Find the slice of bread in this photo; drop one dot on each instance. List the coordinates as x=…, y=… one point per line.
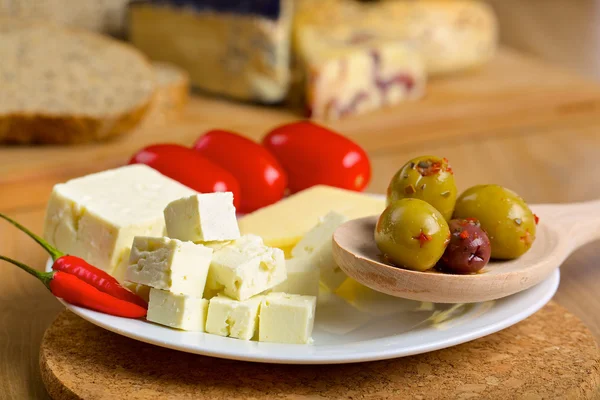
x=59, y=85
x=103, y=16
x=172, y=91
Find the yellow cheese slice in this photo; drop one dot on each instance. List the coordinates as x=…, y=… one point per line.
x=284, y=223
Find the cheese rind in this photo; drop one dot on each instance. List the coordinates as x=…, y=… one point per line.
x=302, y=277
x=169, y=264
x=202, y=218
x=316, y=246
x=96, y=217
x=178, y=311
x=286, y=318
x=241, y=56
x=233, y=318
x=246, y=268
x=284, y=223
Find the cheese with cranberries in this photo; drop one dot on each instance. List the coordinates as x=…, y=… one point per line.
x=346, y=73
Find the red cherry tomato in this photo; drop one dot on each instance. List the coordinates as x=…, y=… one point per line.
x=189, y=168
x=262, y=180
x=314, y=155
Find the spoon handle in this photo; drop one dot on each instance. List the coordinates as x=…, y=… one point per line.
x=580, y=222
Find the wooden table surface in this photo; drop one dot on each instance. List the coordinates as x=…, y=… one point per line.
x=550, y=159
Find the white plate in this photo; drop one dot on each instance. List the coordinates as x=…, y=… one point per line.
x=343, y=334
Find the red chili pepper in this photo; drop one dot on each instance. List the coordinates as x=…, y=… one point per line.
x=97, y=278
x=314, y=155
x=81, y=270
x=423, y=238
x=261, y=177
x=77, y=292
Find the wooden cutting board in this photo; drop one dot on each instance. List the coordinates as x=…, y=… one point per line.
x=514, y=95
x=550, y=355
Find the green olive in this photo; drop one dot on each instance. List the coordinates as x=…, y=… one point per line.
x=427, y=178
x=503, y=214
x=412, y=234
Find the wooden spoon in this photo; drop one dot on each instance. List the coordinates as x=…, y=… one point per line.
x=562, y=229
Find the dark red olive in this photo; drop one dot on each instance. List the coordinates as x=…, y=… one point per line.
x=469, y=249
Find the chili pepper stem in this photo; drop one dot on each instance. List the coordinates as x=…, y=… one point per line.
x=53, y=251
x=45, y=277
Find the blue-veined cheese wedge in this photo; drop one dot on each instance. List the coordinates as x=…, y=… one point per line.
x=231, y=48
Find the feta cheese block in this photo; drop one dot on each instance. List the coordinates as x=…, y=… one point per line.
x=284, y=223
x=287, y=318
x=241, y=50
x=233, y=318
x=347, y=75
x=449, y=36
x=302, y=277
x=202, y=218
x=97, y=216
x=316, y=247
x=246, y=268
x=169, y=264
x=178, y=311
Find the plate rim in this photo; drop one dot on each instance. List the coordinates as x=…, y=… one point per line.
x=276, y=352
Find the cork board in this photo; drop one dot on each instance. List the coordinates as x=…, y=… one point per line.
x=549, y=355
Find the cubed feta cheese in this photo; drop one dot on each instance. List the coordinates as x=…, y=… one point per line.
x=286, y=318
x=316, y=246
x=177, y=310
x=202, y=218
x=97, y=216
x=233, y=318
x=246, y=267
x=302, y=277
x=169, y=264
x=141, y=290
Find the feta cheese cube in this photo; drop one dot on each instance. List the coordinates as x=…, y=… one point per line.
x=169, y=264
x=202, y=218
x=245, y=268
x=141, y=290
x=316, y=246
x=286, y=318
x=97, y=216
x=233, y=318
x=302, y=277
x=178, y=311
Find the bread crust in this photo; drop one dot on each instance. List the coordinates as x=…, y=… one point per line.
x=53, y=129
